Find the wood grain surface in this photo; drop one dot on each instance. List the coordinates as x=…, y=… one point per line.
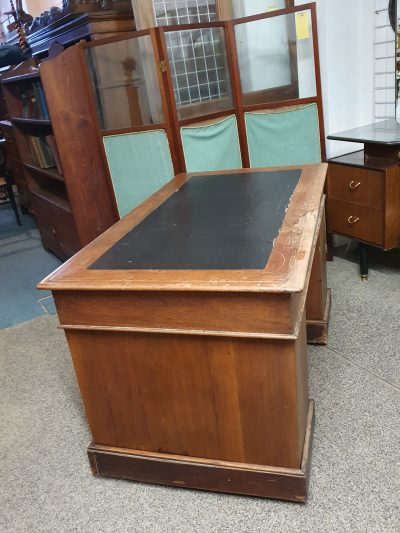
x=286, y=271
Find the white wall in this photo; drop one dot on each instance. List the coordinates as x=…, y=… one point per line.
x=36, y=7
x=345, y=31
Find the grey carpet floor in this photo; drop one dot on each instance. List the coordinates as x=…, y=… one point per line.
x=23, y=263
x=45, y=480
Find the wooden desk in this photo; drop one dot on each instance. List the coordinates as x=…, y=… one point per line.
x=187, y=328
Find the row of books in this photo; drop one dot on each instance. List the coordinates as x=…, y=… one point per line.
x=32, y=102
x=44, y=152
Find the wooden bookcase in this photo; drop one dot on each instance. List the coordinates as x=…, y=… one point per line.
x=12, y=156
x=61, y=204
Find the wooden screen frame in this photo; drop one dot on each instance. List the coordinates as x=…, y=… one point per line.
x=317, y=99
x=178, y=123
x=144, y=13
x=167, y=125
x=240, y=108
x=172, y=124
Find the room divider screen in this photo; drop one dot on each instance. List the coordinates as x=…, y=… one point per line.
x=207, y=97
x=133, y=117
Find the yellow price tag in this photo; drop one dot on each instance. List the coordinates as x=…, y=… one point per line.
x=302, y=29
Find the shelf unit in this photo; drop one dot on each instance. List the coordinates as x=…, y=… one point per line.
x=14, y=165
x=61, y=204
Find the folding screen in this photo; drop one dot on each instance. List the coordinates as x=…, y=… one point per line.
x=140, y=164
x=283, y=136
x=282, y=103
x=134, y=123
x=206, y=97
x=212, y=146
x=201, y=86
x=151, y=13
x=260, y=73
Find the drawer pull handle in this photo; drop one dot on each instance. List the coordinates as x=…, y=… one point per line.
x=352, y=220
x=353, y=186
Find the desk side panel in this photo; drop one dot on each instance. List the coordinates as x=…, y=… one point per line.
x=240, y=400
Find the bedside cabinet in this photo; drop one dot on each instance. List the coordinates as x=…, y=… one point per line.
x=364, y=202
x=364, y=188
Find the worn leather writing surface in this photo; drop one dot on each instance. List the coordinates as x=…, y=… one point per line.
x=213, y=222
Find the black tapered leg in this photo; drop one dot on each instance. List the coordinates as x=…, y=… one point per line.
x=363, y=248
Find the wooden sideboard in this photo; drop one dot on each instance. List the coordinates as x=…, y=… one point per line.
x=186, y=323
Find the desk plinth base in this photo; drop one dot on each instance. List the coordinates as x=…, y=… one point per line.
x=206, y=474
x=317, y=330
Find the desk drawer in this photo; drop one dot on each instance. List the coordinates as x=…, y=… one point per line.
x=356, y=221
x=356, y=185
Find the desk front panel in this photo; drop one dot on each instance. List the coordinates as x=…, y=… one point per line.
x=230, y=399
x=226, y=313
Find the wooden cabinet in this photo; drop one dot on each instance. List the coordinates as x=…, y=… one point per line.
x=364, y=199
x=13, y=162
x=39, y=157
x=14, y=165
x=70, y=200
x=364, y=188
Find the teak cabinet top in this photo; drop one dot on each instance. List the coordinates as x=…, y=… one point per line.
x=284, y=272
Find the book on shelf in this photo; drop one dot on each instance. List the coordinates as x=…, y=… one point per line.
x=32, y=102
x=51, y=142
x=41, y=153
x=41, y=100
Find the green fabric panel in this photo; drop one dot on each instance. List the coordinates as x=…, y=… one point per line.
x=281, y=138
x=212, y=147
x=140, y=164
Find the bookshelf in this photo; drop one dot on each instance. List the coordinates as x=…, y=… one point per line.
x=14, y=164
x=60, y=203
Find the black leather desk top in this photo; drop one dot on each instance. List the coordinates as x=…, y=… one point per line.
x=214, y=222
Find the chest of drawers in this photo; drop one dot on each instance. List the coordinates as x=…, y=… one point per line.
x=364, y=201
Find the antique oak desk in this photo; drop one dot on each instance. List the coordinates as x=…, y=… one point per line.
x=187, y=327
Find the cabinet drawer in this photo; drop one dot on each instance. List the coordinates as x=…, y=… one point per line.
x=57, y=228
x=65, y=231
x=356, y=221
x=356, y=185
